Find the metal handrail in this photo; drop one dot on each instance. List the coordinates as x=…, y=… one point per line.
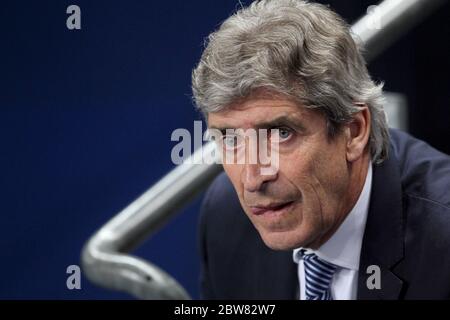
x=104, y=257
x=389, y=20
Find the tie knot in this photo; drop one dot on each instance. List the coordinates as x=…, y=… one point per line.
x=318, y=276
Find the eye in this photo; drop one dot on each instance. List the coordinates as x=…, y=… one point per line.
x=231, y=141
x=282, y=134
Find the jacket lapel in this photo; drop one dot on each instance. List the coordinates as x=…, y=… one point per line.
x=276, y=274
x=383, y=238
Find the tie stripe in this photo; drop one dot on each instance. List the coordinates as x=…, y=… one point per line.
x=318, y=277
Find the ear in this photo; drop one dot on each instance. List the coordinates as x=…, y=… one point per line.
x=358, y=132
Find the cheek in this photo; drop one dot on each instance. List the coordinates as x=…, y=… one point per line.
x=312, y=198
x=300, y=171
x=320, y=177
x=324, y=186
x=332, y=169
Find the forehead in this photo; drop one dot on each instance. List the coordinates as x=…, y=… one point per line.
x=260, y=109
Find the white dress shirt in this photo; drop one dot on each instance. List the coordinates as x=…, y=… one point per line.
x=343, y=249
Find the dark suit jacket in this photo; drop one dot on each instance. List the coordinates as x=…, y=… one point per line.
x=407, y=235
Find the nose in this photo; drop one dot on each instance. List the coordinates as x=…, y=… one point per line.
x=252, y=178
x=254, y=175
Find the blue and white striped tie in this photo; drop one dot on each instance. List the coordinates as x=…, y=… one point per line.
x=318, y=276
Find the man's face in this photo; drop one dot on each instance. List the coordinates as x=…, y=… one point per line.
x=302, y=203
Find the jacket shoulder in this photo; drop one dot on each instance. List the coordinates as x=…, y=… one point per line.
x=424, y=171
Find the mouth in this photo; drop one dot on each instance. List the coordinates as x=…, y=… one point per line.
x=271, y=209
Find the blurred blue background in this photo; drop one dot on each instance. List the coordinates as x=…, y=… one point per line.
x=87, y=115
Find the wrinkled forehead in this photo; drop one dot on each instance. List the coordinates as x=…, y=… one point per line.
x=262, y=110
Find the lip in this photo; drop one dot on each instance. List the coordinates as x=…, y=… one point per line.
x=271, y=209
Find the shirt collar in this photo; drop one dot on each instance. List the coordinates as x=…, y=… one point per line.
x=344, y=247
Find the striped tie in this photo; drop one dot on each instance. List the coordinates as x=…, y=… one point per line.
x=318, y=276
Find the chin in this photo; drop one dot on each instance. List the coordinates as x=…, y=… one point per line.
x=282, y=241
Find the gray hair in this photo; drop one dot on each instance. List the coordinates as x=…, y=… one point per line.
x=296, y=48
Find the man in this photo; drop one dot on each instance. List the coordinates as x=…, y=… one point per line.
x=353, y=211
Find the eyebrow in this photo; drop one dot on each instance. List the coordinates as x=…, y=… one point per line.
x=274, y=123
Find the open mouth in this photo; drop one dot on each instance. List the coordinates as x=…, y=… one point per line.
x=273, y=209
